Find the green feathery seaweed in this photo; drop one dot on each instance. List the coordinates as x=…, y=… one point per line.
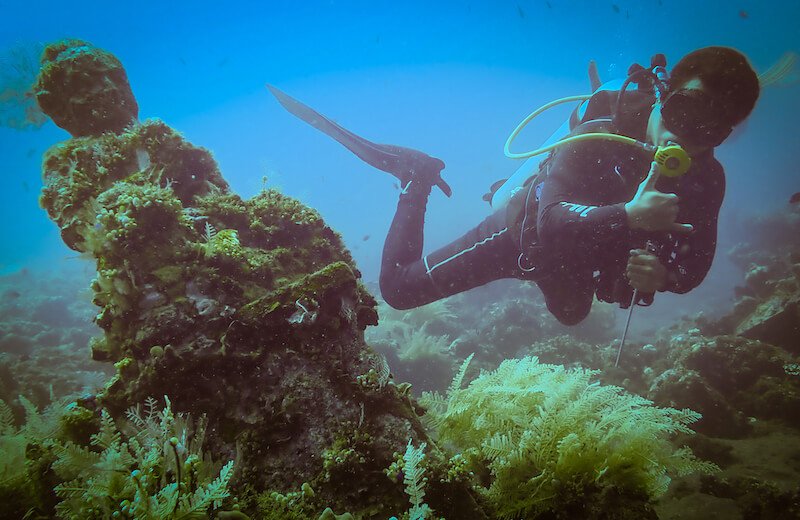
x=6, y=419
x=12, y=446
x=150, y=473
x=548, y=434
x=415, y=481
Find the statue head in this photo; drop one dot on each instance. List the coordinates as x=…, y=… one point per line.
x=84, y=89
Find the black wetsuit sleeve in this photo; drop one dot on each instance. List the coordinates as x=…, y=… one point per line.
x=588, y=182
x=693, y=254
x=581, y=207
x=566, y=219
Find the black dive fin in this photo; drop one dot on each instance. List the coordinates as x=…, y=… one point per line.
x=594, y=76
x=399, y=161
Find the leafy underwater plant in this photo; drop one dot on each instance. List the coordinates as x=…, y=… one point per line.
x=410, y=467
x=549, y=436
x=156, y=472
x=17, y=491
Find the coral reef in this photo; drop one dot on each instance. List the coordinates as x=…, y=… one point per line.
x=248, y=311
x=768, y=303
x=731, y=381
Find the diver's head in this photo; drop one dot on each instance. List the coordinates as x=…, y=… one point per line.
x=711, y=91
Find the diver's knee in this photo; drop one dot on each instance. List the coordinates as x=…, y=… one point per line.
x=394, y=295
x=571, y=319
x=570, y=314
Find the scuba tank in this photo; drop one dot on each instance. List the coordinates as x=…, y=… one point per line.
x=673, y=161
x=530, y=167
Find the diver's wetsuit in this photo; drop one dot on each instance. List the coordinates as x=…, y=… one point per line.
x=567, y=229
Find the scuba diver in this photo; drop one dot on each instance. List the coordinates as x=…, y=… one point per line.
x=624, y=206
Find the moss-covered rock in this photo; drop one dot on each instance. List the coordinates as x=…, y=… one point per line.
x=729, y=380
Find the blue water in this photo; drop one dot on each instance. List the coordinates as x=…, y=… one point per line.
x=449, y=78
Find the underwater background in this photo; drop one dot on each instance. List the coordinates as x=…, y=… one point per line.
x=453, y=79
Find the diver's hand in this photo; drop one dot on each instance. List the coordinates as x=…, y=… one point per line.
x=652, y=210
x=645, y=272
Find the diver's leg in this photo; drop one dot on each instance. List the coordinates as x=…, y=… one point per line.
x=407, y=280
x=402, y=285
x=568, y=293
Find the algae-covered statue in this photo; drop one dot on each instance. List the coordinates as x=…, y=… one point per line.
x=250, y=312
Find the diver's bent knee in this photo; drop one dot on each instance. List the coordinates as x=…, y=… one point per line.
x=571, y=316
x=394, y=296
x=571, y=319
x=398, y=304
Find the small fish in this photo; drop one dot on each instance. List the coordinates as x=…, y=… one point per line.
x=794, y=199
x=520, y=11
x=365, y=238
x=743, y=15
x=548, y=4
x=222, y=62
x=615, y=7
x=31, y=152
x=25, y=186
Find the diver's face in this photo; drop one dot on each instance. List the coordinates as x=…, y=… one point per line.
x=659, y=135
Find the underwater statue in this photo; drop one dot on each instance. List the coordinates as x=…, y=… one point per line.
x=248, y=312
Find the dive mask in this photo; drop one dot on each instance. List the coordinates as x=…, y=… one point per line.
x=691, y=115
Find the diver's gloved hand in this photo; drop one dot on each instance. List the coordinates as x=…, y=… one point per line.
x=645, y=272
x=652, y=210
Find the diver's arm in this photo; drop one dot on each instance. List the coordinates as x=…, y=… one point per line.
x=563, y=222
x=653, y=210
x=597, y=171
x=580, y=175
x=694, y=253
x=645, y=272
x=691, y=265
